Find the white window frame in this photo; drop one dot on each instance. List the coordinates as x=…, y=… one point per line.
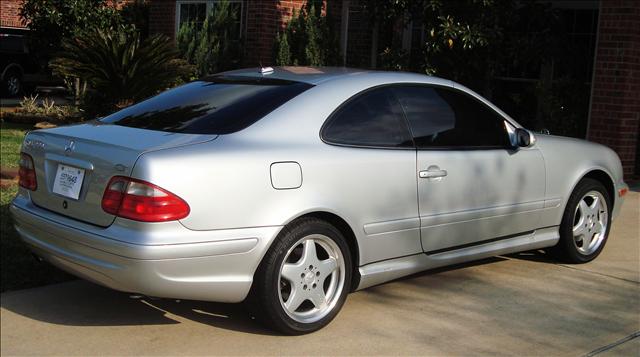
x=209, y=4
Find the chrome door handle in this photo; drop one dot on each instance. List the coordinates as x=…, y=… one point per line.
x=432, y=173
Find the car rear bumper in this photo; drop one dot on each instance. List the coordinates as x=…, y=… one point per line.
x=215, y=266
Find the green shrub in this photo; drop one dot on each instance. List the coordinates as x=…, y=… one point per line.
x=210, y=46
x=119, y=67
x=48, y=109
x=313, y=51
x=29, y=104
x=307, y=40
x=282, y=50
x=395, y=59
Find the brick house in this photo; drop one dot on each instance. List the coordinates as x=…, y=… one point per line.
x=614, y=33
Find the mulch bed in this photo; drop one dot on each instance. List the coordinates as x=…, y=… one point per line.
x=21, y=118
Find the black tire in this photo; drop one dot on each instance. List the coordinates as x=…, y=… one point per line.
x=566, y=250
x=12, y=84
x=264, y=300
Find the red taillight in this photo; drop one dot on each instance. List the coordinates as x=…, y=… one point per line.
x=142, y=201
x=27, y=172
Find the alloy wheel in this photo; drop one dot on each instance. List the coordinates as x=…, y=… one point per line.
x=311, y=278
x=590, y=222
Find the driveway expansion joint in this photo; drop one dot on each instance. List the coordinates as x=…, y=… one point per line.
x=614, y=344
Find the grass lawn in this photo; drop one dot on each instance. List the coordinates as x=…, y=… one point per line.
x=18, y=269
x=11, y=136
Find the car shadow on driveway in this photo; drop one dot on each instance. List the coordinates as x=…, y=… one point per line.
x=81, y=303
x=538, y=256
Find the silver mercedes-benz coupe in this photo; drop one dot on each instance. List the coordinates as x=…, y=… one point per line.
x=288, y=188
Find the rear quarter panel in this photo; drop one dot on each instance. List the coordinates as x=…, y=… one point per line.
x=227, y=182
x=227, y=185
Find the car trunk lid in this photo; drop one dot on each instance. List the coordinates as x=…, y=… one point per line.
x=101, y=152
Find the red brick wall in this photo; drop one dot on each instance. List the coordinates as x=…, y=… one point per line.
x=10, y=13
x=264, y=20
x=162, y=17
x=615, y=104
x=360, y=36
x=262, y=23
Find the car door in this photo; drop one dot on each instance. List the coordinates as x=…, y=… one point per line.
x=473, y=185
x=372, y=180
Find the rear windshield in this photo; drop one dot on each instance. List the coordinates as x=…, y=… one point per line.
x=213, y=105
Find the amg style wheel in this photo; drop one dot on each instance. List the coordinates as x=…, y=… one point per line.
x=303, y=281
x=585, y=224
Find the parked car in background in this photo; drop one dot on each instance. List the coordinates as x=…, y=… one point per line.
x=288, y=188
x=20, y=70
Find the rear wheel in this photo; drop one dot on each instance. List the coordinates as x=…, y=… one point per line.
x=585, y=225
x=303, y=280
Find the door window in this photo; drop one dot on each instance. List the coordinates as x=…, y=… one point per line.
x=442, y=118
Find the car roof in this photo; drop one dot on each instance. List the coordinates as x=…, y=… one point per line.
x=355, y=78
x=318, y=75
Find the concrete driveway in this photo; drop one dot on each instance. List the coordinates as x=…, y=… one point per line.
x=524, y=304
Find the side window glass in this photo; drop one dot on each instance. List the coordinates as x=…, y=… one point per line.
x=440, y=117
x=373, y=118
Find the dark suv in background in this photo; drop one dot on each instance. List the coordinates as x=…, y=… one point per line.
x=20, y=70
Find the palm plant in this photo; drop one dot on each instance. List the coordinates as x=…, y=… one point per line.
x=118, y=66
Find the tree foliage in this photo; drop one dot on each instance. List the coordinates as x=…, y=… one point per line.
x=307, y=40
x=476, y=41
x=471, y=40
x=51, y=21
x=118, y=65
x=455, y=31
x=211, y=46
x=136, y=13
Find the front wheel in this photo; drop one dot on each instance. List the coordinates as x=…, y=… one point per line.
x=585, y=225
x=304, y=278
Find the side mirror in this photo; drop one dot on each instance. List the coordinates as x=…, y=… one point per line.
x=524, y=138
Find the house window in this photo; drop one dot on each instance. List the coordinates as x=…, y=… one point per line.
x=192, y=11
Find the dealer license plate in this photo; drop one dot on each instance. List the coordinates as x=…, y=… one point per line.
x=68, y=181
